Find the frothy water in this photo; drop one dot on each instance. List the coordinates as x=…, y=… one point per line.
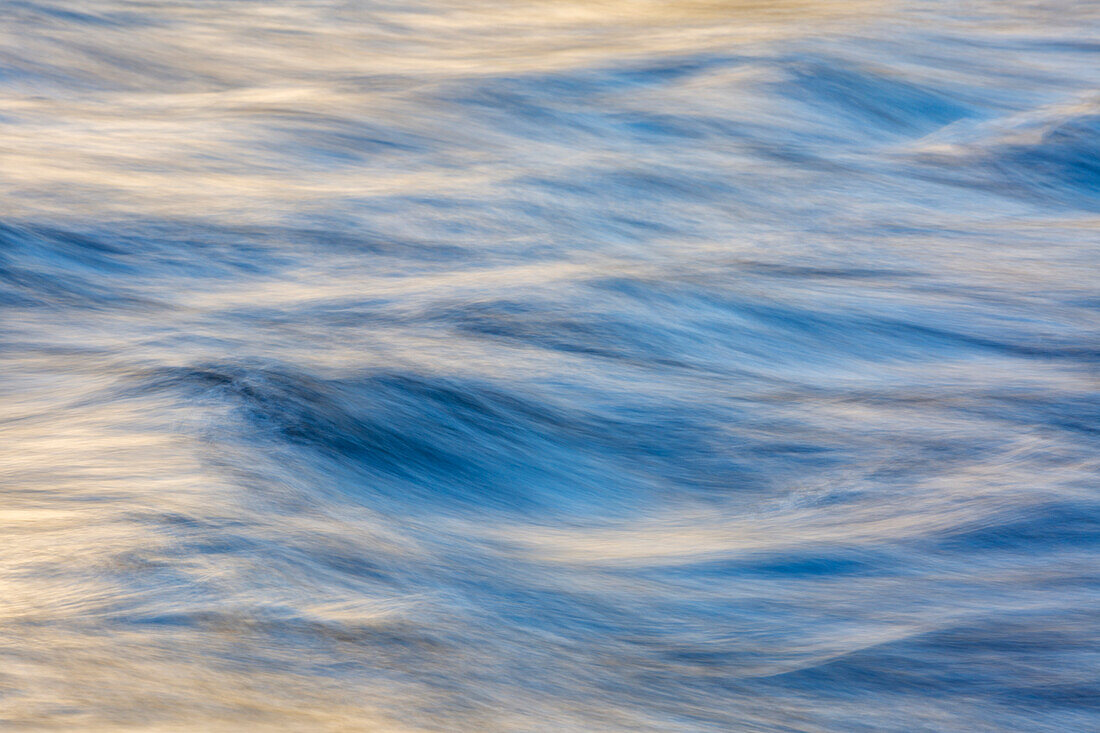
x=549, y=366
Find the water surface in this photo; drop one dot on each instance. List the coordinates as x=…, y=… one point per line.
x=549, y=366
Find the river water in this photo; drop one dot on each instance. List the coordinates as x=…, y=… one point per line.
x=549, y=366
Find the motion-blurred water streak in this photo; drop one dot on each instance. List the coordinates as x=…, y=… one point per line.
x=617, y=365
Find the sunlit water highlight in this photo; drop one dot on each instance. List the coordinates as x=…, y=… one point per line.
x=496, y=366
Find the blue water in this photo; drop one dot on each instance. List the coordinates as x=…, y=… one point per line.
x=550, y=366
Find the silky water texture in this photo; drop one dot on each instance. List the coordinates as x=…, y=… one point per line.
x=549, y=366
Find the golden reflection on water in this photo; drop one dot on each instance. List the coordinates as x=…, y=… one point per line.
x=181, y=106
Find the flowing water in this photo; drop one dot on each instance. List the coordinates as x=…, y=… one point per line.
x=617, y=365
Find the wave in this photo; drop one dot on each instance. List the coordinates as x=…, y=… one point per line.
x=1049, y=155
